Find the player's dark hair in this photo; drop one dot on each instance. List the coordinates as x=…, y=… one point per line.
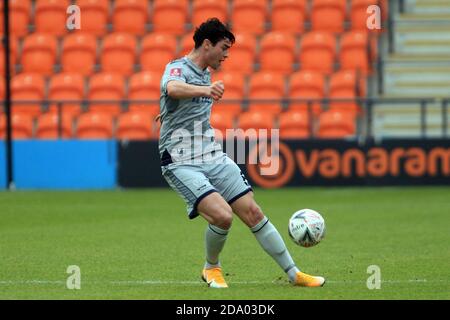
x=214, y=31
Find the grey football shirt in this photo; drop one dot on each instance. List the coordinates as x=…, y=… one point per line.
x=186, y=133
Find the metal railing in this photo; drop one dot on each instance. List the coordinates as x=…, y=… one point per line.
x=364, y=119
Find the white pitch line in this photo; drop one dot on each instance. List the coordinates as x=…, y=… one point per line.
x=181, y=282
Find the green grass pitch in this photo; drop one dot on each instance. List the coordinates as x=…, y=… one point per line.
x=140, y=245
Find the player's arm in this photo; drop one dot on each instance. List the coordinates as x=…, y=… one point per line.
x=181, y=90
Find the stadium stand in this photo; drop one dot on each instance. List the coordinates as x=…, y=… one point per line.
x=235, y=85
x=79, y=53
x=157, y=50
x=109, y=87
x=249, y=16
x=134, y=126
x=118, y=53
x=285, y=49
x=27, y=90
x=144, y=86
x=94, y=125
x=22, y=126
x=95, y=16
x=328, y=15
x=288, y=15
x=20, y=13
x=277, y=52
x=204, y=9
x=50, y=126
x=50, y=16
x=295, y=125
x=170, y=16
x=265, y=85
x=130, y=16
x=335, y=124
x=66, y=87
x=39, y=53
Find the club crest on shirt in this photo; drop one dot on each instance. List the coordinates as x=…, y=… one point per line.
x=175, y=72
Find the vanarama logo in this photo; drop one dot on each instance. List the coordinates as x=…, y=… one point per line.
x=376, y=162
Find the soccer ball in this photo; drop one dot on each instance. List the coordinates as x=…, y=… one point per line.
x=306, y=228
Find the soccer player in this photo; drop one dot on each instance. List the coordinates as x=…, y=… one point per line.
x=194, y=165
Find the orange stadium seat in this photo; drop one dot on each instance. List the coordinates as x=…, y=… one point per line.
x=335, y=124
x=359, y=15
x=118, y=53
x=2, y=91
x=66, y=86
x=106, y=87
x=242, y=55
x=355, y=52
x=50, y=126
x=318, y=51
x=234, y=90
x=249, y=16
x=94, y=125
x=221, y=121
x=50, y=16
x=95, y=16
x=346, y=85
x=21, y=126
x=288, y=15
x=294, y=125
x=277, y=52
x=266, y=85
x=134, y=126
x=158, y=49
x=255, y=120
x=39, y=53
x=79, y=51
x=27, y=87
x=328, y=15
x=205, y=9
x=186, y=44
x=130, y=16
x=170, y=16
x=19, y=17
x=306, y=85
x=12, y=56
x=144, y=86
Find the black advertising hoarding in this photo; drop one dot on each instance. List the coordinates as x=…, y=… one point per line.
x=332, y=162
x=315, y=162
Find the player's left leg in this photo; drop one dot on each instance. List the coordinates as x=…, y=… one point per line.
x=270, y=240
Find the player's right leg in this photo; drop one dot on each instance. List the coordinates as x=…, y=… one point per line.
x=201, y=198
x=219, y=215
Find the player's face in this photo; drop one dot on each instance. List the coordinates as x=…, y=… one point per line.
x=218, y=53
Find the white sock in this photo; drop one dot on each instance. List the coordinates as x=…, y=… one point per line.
x=215, y=238
x=270, y=239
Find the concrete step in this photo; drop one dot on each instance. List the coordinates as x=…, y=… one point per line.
x=419, y=37
x=416, y=80
x=428, y=6
x=404, y=120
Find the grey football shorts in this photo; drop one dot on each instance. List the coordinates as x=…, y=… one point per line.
x=194, y=181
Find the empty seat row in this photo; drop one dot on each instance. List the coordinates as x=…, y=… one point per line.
x=89, y=125
x=265, y=89
x=29, y=90
x=121, y=52
x=291, y=124
x=174, y=16
x=135, y=125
